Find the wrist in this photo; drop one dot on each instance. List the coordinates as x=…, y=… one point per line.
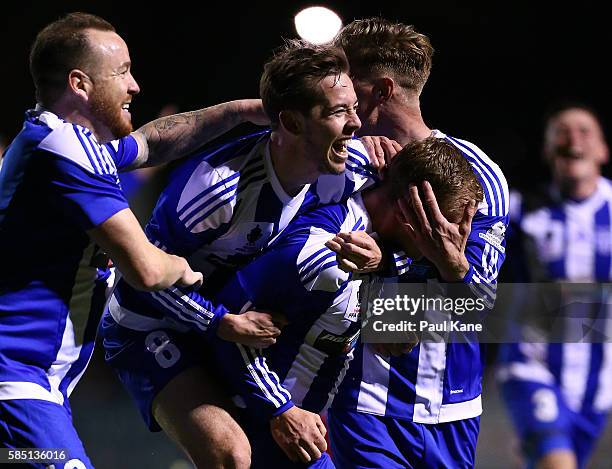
x=226, y=326
x=455, y=272
x=283, y=411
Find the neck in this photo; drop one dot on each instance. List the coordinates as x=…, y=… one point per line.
x=74, y=115
x=578, y=189
x=402, y=122
x=290, y=165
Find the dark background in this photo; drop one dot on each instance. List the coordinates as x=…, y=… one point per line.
x=497, y=67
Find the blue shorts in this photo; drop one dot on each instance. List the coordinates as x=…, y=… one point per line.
x=545, y=423
x=147, y=361
x=265, y=453
x=33, y=423
x=360, y=440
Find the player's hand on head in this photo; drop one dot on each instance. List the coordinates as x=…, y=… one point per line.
x=300, y=434
x=439, y=240
x=381, y=150
x=253, y=328
x=356, y=252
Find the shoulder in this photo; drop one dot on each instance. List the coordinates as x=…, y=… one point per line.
x=206, y=185
x=76, y=144
x=490, y=175
x=316, y=264
x=358, y=151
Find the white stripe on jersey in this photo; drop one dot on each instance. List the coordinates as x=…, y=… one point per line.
x=374, y=386
x=76, y=322
x=23, y=390
x=602, y=401
x=491, y=174
x=429, y=382
x=76, y=144
x=574, y=373
x=257, y=371
x=303, y=371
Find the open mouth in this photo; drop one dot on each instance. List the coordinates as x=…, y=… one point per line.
x=340, y=148
x=126, y=107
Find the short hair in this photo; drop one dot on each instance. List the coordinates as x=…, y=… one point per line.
x=557, y=107
x=376, y=45
x=60, y=47
x=441, y=164
x=291, y=76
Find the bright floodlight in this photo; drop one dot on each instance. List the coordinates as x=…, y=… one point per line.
x=317, y=24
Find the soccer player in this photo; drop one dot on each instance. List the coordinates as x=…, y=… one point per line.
x=220, y=209
x=559, y=394
x=299, y=276
x=62, y=210
x=420, y=409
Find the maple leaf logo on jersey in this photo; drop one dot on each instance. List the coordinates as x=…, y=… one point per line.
x=254, y=235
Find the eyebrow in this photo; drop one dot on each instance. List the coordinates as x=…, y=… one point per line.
x=124, y=65
x=343, y=106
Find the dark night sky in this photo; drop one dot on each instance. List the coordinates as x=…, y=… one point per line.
x=497, y=65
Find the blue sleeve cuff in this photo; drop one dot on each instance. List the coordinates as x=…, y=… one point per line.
x=288, y=405
x=219, y=311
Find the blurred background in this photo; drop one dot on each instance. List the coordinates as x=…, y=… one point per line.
x=497, y=67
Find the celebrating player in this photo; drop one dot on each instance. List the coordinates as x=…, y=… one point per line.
x=62, y=209
x=420, y=409
x=221, y=208
x=558, y=394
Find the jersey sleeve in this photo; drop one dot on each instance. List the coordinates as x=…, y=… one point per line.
x=295, y=278
x=123, y=151
x=195, y=208
x=192, y=211
x=486, y=251
x=176, y=305
x=86, y=197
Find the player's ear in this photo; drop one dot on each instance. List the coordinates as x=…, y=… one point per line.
x=79, y=83
x=291, y=121
x=604, y=153
x=383, y=89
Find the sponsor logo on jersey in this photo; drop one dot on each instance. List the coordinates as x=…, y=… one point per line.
x=495, y=236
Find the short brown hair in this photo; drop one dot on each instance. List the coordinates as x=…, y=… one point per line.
x=290, y=77
x=376, y=45
x=440, y=163
x=60, y=47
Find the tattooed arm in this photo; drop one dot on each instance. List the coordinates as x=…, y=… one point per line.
x=172, y=137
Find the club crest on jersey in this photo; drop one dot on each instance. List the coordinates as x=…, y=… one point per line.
x=495, y=236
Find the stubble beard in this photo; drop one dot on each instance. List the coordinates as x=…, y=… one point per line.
x=109, y=114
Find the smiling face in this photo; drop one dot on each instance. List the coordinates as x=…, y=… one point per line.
x=575, y=146
x=330, y=125
x=113, y=86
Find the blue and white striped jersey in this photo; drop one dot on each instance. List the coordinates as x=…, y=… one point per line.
x=220, y=210
x=321, y=303
x=438, y=382
x=572, y=240
x=56, y=182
